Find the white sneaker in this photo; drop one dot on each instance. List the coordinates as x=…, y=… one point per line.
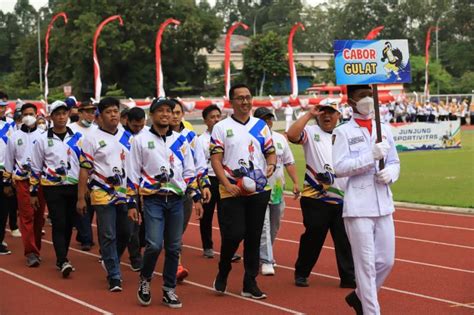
x=16, y=233
x=5, y=244
x=267, y=270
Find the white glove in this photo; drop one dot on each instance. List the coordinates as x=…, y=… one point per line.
x=380, y=150
x=383, y=177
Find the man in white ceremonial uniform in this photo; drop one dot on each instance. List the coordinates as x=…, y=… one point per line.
x=368, y=203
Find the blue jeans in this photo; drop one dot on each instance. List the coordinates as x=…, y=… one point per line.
x=84, y=226
x=114, y=232
x=163, y=217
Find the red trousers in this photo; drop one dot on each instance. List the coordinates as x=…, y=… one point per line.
x=31, y=220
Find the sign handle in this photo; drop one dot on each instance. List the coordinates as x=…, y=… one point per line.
x=378, y=127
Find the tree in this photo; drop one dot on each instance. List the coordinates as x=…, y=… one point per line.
x=437, y=75
x=126, y=53
x=265, y=60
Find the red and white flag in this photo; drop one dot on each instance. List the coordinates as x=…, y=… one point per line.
x=291, y=61
x=427, y=61
x=46, y=51
x=227, y=55
x=160, y=91
x=374, y=32
x=97, y=79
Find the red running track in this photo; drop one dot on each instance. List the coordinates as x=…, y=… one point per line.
x=433, y=273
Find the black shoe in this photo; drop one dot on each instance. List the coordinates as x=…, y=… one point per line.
x=66, y=269
x=348, y=285
x=236, y=258
x=32, y=260
x=136, y=265
x=86, y=247
x=4, y=250
x=301, y=281
x=171, y=299
x=220, y=284
x=115, y=285
x=353, y=301
x=253, y=292
x=144, y=292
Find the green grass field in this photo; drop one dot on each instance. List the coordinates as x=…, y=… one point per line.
x=444, y=177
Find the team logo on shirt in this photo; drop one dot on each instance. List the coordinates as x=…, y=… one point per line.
x=279, y=146
x=317, y=138
x=102, y=143
x=20, y=142
x=151, y=144
x=229, y=133
x=50, y=142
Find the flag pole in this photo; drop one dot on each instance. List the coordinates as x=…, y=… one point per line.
x=378, y=126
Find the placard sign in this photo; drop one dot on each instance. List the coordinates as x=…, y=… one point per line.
x=372, y=61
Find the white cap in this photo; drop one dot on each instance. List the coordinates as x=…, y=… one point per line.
x=57, y=105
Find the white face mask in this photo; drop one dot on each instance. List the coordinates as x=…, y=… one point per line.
x=42, y=126
x=86, y=123
x=365, y=106
x=29, y=121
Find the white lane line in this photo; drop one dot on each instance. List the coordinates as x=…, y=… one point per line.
x=397, y=259
x=415, y=222
x=405, y=238
x=281, y=308
x=436, y=212
x=61, y=294
x=433, y=242
x=436, y=225
x=428, y=297
x=414, y=210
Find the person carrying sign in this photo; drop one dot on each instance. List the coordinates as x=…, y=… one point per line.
x=368, y=203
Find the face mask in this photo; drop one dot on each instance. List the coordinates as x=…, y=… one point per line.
x=29, y=121
x=42, y=126
x=74, y=118
x=365, y=106
x=86, y=123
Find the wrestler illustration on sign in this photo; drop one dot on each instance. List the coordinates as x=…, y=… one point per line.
x=394, y=57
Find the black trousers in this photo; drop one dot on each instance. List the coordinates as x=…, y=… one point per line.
x=61, y=201
x=241, y=218
x=8, y=205
x=318, y=218
x=133, y=246
x=205, y=224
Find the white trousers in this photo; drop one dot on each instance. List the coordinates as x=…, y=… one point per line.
x=271, y=225
x=373, y=249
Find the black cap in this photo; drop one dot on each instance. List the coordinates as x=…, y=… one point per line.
x=352, y=88
x=263, y=112
x=160, y=102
